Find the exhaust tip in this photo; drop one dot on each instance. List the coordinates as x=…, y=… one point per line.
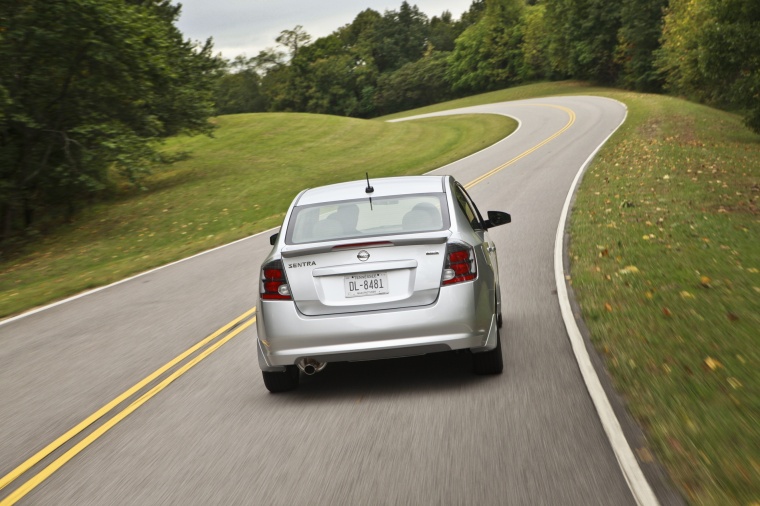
x=309, y=366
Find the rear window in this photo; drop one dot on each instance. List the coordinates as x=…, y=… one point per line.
x=403, y=214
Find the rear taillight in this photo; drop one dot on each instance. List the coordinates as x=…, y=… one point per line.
x=460, y=264
x=274, y=285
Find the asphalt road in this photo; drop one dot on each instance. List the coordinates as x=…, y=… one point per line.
x=420, y=430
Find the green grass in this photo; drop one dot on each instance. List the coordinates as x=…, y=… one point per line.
x=665, y=259
x=665, y=249
x=233, y=185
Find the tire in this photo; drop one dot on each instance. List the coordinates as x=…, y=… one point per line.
x=489, y=362
x=281, y=381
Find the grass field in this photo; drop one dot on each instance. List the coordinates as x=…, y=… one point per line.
x=665, y=249
x=666, y=262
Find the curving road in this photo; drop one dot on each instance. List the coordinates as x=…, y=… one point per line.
x=419, y=430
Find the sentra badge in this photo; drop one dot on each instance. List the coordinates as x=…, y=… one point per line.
x=301, y=264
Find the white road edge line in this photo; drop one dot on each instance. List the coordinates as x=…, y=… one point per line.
x=101, y=288
x=632, y=472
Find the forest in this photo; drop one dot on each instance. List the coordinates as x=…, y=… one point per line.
x=706, y=50
x=89, y=88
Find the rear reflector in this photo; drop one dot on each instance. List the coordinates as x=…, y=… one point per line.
x=460, y=264
x=274, y=285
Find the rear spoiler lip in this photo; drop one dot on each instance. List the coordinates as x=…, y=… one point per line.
x=297, y=250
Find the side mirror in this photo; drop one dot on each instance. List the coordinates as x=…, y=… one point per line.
x=496, y=218
x=273, y=238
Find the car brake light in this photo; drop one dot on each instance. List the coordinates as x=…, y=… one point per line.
x=460, y=264
x=358, y=245
x=274, y=285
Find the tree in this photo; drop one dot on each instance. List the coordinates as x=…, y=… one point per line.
x=534, y=47
x=287, y=94
x=399, y=37
x=238, y=90
x=638, y=41
x=86, y=86
x=583, y=38
x=416, y=84
x=294, y=40
x=267, y=60
x=326, y=78
x=443, y=32
x=710, y=52
x=472, y=15
x=487, y=54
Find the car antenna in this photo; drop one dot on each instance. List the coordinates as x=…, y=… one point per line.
x=369, y=190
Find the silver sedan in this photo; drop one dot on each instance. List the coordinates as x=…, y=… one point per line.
x=369, y=270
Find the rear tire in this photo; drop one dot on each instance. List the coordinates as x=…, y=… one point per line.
x=281, y=381
x=489, y=362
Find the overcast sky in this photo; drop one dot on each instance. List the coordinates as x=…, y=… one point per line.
x=248, y=26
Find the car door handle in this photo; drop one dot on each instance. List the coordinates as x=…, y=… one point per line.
x=492, y=248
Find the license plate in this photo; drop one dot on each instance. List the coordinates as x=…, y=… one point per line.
x=360, y=285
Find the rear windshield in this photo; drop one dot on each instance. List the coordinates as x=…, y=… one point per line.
x=357, y=218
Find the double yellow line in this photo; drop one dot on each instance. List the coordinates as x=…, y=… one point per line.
x=525, y=153
x=229, y=331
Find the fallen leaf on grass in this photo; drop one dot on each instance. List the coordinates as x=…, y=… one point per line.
x=735, y=383
x=675, y=444
x=712, y=363
x=705, y=281
x=666, y=312
x=631, y=269
x=608, y=306
x=732, y=317
x=687, y=295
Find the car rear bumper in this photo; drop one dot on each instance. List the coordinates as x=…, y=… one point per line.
x=456, y=320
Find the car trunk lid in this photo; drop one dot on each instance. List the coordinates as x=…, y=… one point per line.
x=346, y=276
